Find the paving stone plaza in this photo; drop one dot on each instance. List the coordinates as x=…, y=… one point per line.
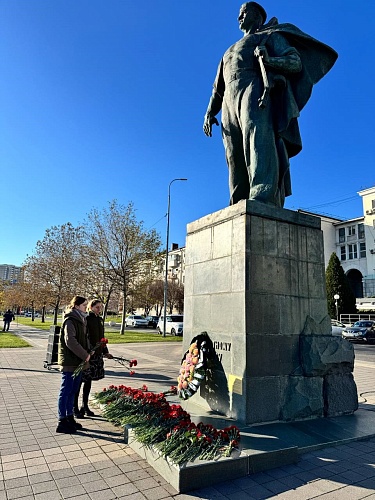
x=37, y=463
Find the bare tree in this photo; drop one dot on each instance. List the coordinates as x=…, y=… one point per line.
x=158, y=292
x=96, y=276
x=123, y=244
x=145, y=294
x=33, y=294
x=55, y=264
x=12, y=296
x=2, y=295
x=175, y=296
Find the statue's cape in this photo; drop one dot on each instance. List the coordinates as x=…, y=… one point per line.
x=317, y=59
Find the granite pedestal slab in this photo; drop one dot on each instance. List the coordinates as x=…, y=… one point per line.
x=262, y=447
x=255, y=282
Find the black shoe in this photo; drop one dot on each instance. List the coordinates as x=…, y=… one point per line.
x=73, y=423
x=65, y=427
x=79, y=413
x=86, y=411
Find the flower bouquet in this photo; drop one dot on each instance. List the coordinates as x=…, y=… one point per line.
x=188, y=441
x=129, y=363
x=193, y=368
x=80, y=367
x=165, y=426
x=172, y=391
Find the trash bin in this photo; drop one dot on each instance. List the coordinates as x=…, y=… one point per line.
x=52, y=348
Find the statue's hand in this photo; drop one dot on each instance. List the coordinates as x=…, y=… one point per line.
x=207, y=124
x=261, y=50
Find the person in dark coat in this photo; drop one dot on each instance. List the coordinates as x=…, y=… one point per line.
x=7, y=318
x=95, y=328
x=73, y=349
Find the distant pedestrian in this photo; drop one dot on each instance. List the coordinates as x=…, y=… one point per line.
x=95, y=330
x=73, y=349
x=7, y=318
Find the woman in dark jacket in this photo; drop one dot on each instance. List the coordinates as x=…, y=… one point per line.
x=73, y=349
x=95, y=328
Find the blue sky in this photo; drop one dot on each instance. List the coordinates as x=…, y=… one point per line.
x=104, y=99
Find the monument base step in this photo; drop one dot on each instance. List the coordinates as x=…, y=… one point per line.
x=263, y=447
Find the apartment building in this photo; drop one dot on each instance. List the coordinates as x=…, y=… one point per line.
x=10, y=274
x=176, y=264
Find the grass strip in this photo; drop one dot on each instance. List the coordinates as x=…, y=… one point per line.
x=111, y=333
x=9, y=340
x=37, y=323
x=131, y=336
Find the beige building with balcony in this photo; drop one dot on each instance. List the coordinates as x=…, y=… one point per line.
x=176, y=264
x=353, y=241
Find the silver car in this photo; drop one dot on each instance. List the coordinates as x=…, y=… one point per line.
x=134, y=320
x=337, y=327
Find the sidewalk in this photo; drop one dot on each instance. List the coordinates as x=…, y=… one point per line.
x=37, y=463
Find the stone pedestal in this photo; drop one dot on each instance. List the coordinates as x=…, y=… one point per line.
x=255, y=282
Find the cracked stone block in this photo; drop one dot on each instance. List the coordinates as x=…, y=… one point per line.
x=340, y=394
x=324, y=354
x=303, y=398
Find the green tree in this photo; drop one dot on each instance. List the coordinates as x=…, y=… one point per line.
x=337, y=283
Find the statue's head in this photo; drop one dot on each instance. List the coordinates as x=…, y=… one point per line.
x=254, y=14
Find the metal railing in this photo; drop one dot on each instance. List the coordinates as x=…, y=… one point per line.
x=349, y=319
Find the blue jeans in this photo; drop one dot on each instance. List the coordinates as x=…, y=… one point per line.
x=69, y=386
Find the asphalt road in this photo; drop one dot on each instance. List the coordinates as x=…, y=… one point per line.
x=364, y=352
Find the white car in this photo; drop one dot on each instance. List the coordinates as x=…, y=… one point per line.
x=134, y=320
x=337, y=327
x=174, y=324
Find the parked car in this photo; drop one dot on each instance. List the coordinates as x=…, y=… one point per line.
x=152, y=321
x=337, y=327
x=363, y=331
x=30, y=314
x=174, y=324
x=134, y=320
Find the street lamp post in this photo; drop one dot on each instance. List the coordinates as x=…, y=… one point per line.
x=336, y=297
x=166, y=259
